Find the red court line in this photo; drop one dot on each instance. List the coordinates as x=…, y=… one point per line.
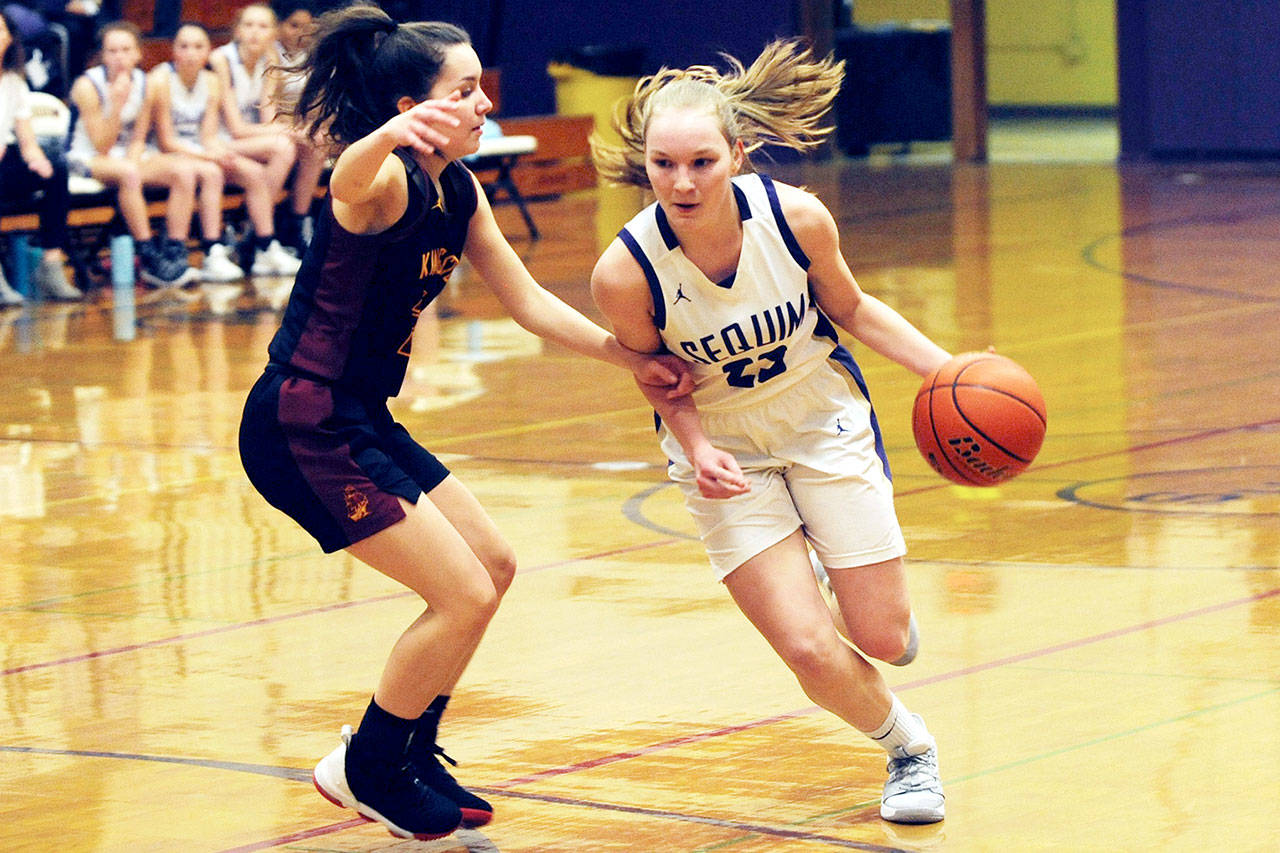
x=298, y=836
x=728, y=730
x=284, y=617
x=911, y=685
x=657, y=747
x=195, y=635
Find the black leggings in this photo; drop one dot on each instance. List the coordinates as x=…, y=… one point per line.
x=21, y=185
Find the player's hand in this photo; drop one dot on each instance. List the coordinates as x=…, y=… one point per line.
x=718, y=474
x=666, y=371
x=41, y=166
x=425, y=126
x=118, y=91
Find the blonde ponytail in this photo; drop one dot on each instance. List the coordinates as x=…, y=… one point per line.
x=780, y=99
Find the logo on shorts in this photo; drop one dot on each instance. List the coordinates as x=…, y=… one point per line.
x=357, y=503
x=840, y=428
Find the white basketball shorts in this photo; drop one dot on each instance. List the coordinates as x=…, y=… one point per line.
x=814, y=462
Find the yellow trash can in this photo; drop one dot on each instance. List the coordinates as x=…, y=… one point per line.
x=591, y=80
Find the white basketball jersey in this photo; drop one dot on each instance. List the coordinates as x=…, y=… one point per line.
x=246, y=83
x=82, y=149
x=188, y=106
x=751, y=336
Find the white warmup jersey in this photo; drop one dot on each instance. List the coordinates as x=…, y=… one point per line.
x=82, y=150
x=15, y=103
x=246, y=83
x=291, y=82
x=188, y=106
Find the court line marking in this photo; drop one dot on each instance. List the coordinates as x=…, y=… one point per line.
x=1033, y=654
x=505, y=788
x=300, y=614
x=1089, y=253
x=1031, y=759
x=665, y=814
x=299, y=775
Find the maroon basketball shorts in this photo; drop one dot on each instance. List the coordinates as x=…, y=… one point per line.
x=332, y=461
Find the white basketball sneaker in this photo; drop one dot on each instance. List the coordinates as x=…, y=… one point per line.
x=218, y=266
x=275, y=260
x=913, y=792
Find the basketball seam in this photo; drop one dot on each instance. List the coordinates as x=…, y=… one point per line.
x=955, y=404
x=937, y=442
x=1044, y=420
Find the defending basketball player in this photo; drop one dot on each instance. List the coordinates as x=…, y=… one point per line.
x=743, y=278
x=404, y=104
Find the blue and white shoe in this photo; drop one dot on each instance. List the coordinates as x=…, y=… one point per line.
x=913, y=792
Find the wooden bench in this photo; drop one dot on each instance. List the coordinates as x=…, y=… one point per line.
x=499, y=164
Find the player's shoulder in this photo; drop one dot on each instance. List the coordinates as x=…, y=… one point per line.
x=806, y=214
x=159, y=76
x=616, y=263
x=617, y=272
x=796, y=198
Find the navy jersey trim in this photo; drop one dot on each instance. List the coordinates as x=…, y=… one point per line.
x=664, y=228
x=824, y=328
x=744, y=206
x=842, y=357
x=788, y=237
x=650, y=274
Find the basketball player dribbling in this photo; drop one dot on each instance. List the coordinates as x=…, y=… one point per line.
x=778, y=447
x=403, y=103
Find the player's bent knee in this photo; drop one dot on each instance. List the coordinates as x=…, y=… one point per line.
x=502, y=570
x=890, y=641
x=810, y=656
x=888, y=646
x=473, y=605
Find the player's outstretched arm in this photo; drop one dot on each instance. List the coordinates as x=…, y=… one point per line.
x=868, y=319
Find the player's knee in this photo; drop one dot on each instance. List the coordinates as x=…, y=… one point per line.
x=211, y=176
x=129, y=179
x=502, y=569
x=475, y=604
x=810, y=655
x=183, y=180
x=889, y=641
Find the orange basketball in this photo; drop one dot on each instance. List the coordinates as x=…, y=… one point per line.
x=979, y=419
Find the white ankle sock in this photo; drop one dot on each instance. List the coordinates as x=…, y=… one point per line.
x=902, y=733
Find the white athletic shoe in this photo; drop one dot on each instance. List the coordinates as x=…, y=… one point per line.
x=218, y=266
x=913, y=792
x=51, y=280
x=9, y=297
x=275, y=260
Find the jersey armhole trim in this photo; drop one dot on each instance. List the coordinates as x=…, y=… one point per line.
x=651, y=276
x=788, y=236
